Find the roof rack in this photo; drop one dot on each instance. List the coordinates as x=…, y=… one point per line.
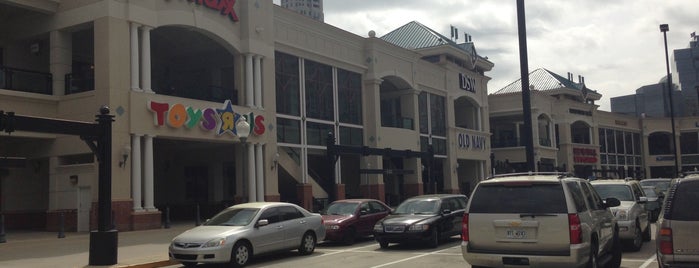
x=532, y=173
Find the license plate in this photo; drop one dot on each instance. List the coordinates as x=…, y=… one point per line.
x=516, y=234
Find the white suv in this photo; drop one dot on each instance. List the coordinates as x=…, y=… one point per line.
x=676, y=238
x=539, y=220
x=631, y=215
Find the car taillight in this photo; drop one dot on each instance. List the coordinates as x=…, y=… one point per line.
x=575, y=229
x=665, y=238
x=464, y=227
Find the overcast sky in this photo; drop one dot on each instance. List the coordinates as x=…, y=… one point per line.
x=615, y=44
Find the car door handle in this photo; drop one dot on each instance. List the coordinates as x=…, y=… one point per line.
x=280, y=227
x=302, y=222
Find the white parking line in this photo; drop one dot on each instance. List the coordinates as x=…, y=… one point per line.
x=414, y=257
x=648, y=261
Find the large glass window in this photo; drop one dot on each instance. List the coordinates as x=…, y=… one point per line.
x=422, y=103
x=288, y=130
x=316, y=133
x=287, y=84
x=690, y=143
x=602, y=141
x=660, y=143
x=351, y=136
x=319, y=90
x=438, y=115
x=349, y=90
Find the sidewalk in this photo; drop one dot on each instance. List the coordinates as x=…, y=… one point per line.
x=140, y=249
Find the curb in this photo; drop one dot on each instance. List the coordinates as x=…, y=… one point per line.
x=151, y=264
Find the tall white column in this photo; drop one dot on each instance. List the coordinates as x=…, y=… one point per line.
x=148, y=173
x=258, y=81
x=250, y=161
x=136, y=171
x=259, y=174
x=145, y=59
x=249, y=96
x=61, y=59
x=134, y=57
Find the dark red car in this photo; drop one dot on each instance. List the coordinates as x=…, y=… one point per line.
x=345, y=220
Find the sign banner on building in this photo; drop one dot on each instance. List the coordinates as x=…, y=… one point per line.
x=467, y=83
x=221, y=121
x=471, y=142
x=584, y=155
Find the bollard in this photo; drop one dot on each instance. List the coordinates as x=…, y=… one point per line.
x=167, y=218
x=2, y=228
x=61, y=225
x=198, y=220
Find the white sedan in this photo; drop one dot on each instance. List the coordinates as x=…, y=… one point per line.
x=237, y=233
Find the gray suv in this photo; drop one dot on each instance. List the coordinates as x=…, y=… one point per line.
x=676, y=239
x=632, y=214
x=539, y=220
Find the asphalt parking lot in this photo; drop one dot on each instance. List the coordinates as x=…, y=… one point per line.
x=367, y=253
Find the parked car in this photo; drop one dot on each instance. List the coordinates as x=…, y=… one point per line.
x=347, y=219
x=661, y=183
x=539, y=220
x=676, y=240
x=632, y=216
x=655, y=201
x=237, y=233
x=427, y=219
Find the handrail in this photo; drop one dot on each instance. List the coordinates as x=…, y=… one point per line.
x=26, y=80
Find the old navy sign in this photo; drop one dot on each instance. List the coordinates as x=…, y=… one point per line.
x=223, y=6
x=220, y=121
x=471, y=142
x=467, y=83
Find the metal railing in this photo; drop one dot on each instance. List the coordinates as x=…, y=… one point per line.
x=26, y=80
x=79, y=83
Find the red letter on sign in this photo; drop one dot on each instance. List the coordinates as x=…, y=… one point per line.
x=160, y=109
x=259, y=125
x=226, y=8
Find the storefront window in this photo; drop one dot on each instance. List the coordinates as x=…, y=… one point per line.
x=287, y=83
x=438, y=115
x=288, y=131
x=351, y=136
x=349, y=91
x=690, y=143
x=319, y=90
x=422, y=103
x=317, y=133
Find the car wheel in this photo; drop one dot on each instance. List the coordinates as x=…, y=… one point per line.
x=308, y=244
x=434, y=238
x=350, y=236
x=382, y=243
x=637, y=241
x=646, y=233
x=189, y=264
x=592, y=261
x=241, y=254
x=615, y=262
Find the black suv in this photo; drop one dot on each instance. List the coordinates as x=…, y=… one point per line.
x=425, y=218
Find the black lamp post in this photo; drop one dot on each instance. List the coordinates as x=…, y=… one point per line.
x=664, y=28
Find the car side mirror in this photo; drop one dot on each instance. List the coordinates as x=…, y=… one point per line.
x=363, y=212
x=446, y=212
x=612, y=202
x=261, y=223
x=642, y=199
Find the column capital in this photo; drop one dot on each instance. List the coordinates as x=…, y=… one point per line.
x=146, y=27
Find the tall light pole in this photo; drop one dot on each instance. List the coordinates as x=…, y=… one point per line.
x=243, y=130
x=664, y=28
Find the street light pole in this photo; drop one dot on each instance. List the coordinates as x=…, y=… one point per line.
x=243, y=131
x=664, y=28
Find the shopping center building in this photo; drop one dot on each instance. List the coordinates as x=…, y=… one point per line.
x=180, y=76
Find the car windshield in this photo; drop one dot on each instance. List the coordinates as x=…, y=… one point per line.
x=341, y=208
x=418, y=206
x=621, y=192
x=233, y=217
x=650, y=191
x=662, y=185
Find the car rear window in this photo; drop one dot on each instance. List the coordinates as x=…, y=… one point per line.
x=684, y=202
x=522, y=198
x=618, y=191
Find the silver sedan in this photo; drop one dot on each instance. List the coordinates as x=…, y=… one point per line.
x=238, y=232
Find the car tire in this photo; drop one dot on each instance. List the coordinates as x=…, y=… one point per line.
x=615, y=261
x=189, y=264
x=592, y=260
x=382, y=243
x=636, y=243
x=349, y=237
x=434, y=238
x=646, y=234
x=240, y=256
x=308, y=244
